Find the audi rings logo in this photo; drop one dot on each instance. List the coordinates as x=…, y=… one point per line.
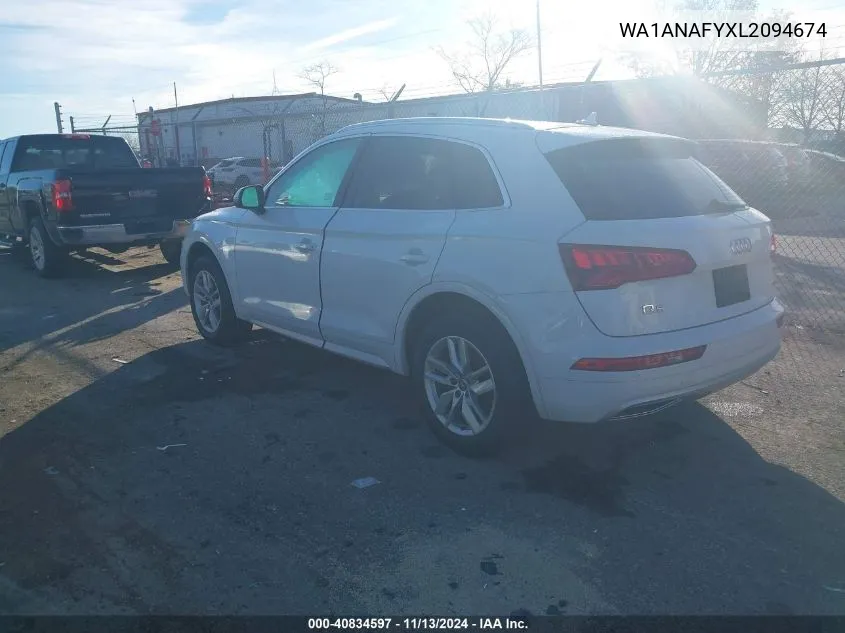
x=740, y=246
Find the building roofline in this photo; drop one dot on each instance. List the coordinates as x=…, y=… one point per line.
x=237, y=100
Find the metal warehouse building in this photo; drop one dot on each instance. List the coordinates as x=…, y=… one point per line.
x=279, y=127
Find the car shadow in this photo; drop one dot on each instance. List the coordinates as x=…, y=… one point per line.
x=195, y=472
x=813, y=293
x=89, y=303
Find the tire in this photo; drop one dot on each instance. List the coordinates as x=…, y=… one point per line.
x=45, y=257
x=206, y=276
x=240, y=181
x=171, y=250
x=507, y=400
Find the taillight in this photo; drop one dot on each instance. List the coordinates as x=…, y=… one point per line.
x=207, y=186
x=62, y=198
x=593, y=267
x=635, y=363
x=773, y=246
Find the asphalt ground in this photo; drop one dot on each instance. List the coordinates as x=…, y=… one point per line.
x=143, y=471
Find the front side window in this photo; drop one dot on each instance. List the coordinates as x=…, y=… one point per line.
x=250, y=162
x=315, y=179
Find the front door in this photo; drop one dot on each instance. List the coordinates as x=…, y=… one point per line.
x=277, y=252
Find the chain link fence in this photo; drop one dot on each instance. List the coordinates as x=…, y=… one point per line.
x=794, y=172
x=775, y=137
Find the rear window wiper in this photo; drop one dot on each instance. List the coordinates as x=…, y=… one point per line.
x=720, y=205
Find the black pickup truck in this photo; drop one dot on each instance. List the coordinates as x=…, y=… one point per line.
x=68, y=192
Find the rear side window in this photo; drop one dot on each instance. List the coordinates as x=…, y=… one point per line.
x=637, y=179
x=418, y=173
x=61, y=152
x=250, y=162
x=476, y=186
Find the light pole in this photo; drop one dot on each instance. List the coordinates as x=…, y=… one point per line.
x=539, y=46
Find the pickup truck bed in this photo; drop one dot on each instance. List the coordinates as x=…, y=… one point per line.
x=65, y=192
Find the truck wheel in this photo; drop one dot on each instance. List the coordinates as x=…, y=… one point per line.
x=240, y=182
x=469, y=377
x=171, y=250
x=45, y=256
x=211, y=305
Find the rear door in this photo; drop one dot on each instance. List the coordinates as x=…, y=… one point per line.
x=384, y=243
x=666, y=245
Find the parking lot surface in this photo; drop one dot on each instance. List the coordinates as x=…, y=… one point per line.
x=144, y=471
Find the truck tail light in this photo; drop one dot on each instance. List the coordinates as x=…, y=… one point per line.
x=635, y=363
x=62, y=196
x=207, y=186
x=594, y=267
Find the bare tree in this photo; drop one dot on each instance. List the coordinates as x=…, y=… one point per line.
x=318, y=75
x=480, y=65
x=806, y=97
x=834, y=107
x=699, y=62
x=716, y=63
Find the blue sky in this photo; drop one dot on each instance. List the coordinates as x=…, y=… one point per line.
x=95, y=56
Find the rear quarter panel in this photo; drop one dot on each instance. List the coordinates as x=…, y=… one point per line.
x=30, y=190
x=512, y=249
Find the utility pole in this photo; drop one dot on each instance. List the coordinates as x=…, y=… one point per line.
x=58, y=117
x=72, y=129
x=178, y=147
x=540, y=62
x=539, y=46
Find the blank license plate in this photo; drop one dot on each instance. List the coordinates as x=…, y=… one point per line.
x=731, y=285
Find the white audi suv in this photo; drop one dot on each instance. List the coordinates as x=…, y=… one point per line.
x=509, y=268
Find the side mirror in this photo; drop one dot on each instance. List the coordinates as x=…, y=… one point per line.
x=251, y=198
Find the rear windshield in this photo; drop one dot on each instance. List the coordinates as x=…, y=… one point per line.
x=61, y=152
x=636, y=179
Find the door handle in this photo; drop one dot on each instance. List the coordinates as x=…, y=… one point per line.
x=414, y=258
x=305, y=246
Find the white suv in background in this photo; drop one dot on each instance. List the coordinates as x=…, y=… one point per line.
x=237, y=172
x=505, y=266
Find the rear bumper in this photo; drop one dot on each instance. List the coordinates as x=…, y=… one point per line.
x=116, y=234
x=736, y=348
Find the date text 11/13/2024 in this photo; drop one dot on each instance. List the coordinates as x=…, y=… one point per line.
x=417, y=624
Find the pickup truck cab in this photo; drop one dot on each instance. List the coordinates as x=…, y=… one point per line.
x=66, y=192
